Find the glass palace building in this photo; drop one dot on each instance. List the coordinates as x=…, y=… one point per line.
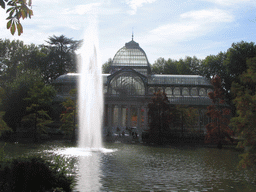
x=130, y=85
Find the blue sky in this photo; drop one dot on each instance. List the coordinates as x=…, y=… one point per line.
x=163, y=28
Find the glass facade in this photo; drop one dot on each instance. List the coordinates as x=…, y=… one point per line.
x=130, y=85
x=125, y=84
x=131, y=55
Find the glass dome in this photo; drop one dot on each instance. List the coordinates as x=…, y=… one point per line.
x=125, y=84
x=131, y=55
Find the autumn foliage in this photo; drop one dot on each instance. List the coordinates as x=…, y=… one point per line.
x=245, y=122
x=159, y=117
x=218, y=130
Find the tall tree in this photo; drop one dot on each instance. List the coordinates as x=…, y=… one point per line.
x=62, y=58
x=218, y=129
x=38, y=101
x=171, y=67
x=11, y=54
x=236, y=58
x=184, y=67
x=15, y=92
x=159, y=117
x=229, y=66
x=245, y=121
x=106, y=66
x=68, y=117
x=158, y=66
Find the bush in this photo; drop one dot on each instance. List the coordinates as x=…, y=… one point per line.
x=33, y=174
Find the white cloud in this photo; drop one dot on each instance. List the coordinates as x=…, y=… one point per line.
x=134, y=4
x=82, y=9
x=228, y=2
x=208, y=16
x=191, y=25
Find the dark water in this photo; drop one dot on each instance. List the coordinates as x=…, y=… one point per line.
x=143, y=168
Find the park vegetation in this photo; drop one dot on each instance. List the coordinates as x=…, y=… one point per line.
x=69, y=116
x=27, y=72
x=35, y=173
x=165, y=120
x=218, y=129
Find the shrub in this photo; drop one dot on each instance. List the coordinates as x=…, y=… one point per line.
x=29, y=174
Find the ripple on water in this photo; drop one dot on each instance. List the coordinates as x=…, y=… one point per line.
x=79, y=152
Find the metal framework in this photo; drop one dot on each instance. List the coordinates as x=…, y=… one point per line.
x=130, y=85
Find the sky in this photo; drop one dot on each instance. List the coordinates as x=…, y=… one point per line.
x=163, y=28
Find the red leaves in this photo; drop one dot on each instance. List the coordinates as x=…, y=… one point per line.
x=218, y=129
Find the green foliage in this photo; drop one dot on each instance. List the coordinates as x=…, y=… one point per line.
x=61, y=58
x=34, y=174
x=38, y=100
x=14, y=104
x=106, y=66
x=68, y=117
x=26, y=96
x=159, y=117
x=218, y=129
x=51, y=61
x=229, y=66
x=183, y=116
x=17, y=9
x=245, y=121
x=187, y=66
x=4, y=128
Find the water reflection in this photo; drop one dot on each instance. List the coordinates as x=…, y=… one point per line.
x=88, y=176
x=146, y=168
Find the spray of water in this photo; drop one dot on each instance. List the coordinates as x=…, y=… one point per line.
x=90, y=90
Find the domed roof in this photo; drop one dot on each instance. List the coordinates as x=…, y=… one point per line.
x=130, y=55
x=67, y=78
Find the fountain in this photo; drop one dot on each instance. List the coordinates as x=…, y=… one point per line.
x=90, y=91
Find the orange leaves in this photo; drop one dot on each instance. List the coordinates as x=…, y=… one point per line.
x=18, y=9
x=218, y=129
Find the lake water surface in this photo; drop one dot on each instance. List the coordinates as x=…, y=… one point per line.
x=133, y=167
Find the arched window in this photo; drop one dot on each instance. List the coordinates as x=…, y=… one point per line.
x=185, y=91
x=176, y=91
x=168, y=91
x=202, y=92
x=194, y=91
x=126, y=83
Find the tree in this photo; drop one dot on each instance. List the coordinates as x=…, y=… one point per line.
x=15, y=92
x=39, y=100
x=236, y=59
x=213, y=65
x=17, y=9
x=218, y=129
x=61, y=58
x=183, y=116
x=3, y=126
x=187, y=66
x=12, y=54
x=158, y=66
x=68, y=117
x=245, y=121
x=183, y=66
x=159, y=117
x=106, y=66
x=229, y=66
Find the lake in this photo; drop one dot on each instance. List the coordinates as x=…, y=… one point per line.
x=137, y=167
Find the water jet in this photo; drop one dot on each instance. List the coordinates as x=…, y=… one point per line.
x=90, y=91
